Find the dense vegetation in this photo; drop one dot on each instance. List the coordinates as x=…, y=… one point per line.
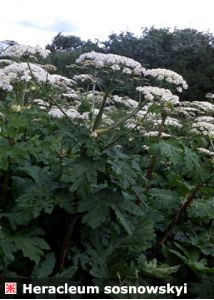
x=100, y=187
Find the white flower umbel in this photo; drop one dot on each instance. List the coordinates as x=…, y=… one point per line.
x=49, y=68
x=206, y=119
x=70, y=95
x=5, y=81
x=186, y=112
x=173, y=122
x=20, y=72
x=156, y=121
x=205, y=151
x=122, y=101
x=71, y=113
x=205, y=106
x=169, y=76
x=83, y=77
x=209, y=96
x=115, y=62
x=152, y=93
x=18, y=51
x=200, y=109
x=60, y=81
x=155, y=134
x=41, y=103
x=203, y=128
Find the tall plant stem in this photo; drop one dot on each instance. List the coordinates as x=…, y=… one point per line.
x=66, y=240
x=154, y=159
x=99, y=116
x=180, y=213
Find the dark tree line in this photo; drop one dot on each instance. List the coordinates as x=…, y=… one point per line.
x=187, y=51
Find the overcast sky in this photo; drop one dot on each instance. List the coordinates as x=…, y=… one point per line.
x=36, y=22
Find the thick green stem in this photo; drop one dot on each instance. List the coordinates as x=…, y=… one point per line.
x=93, y=103
x=22, y=96
x=154, y=159
x=99, y=116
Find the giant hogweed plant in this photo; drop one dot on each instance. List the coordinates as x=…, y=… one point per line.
x=98, y=186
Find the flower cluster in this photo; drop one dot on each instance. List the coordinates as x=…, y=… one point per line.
x=203, y=128
x=115, y=62
x=49, y=68
x=18, y=51
x=60, y=81
x=72, y=113
x=5, y=81
x=203, y=106
x=152, y=93
x=207, y=119
x=83, y=77
x=122, y=101
x=22, y=72
x=205, y=151
x=71, y=95
x=209, y=96
x=155, y=120
x=41, y=103
x=193, y=109
x=169, y=76
x=155, y=134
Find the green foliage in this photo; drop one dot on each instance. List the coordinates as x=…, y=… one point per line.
x=109, y=203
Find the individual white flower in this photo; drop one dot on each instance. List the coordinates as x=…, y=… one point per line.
x=115, y=67
x=127, y=71
x=179, y=89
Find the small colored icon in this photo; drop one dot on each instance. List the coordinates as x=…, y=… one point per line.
x=10, y=288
